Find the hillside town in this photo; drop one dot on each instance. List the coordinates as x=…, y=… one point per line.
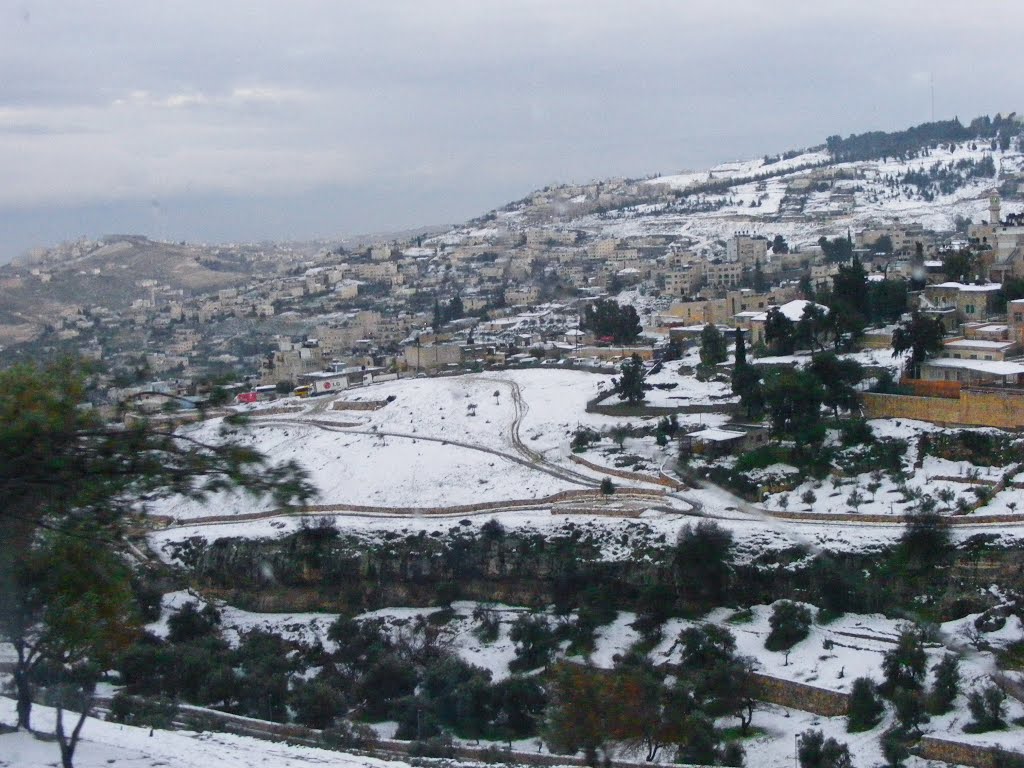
x=714, y=469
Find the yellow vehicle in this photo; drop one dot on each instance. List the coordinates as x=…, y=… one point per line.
x=302, y=391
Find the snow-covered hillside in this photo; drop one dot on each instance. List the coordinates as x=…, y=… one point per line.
x=800, y=197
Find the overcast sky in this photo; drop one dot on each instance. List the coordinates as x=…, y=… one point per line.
x=214, y=120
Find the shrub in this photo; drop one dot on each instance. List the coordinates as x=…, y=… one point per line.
x=815, y=751
x=489, y=624
x=146, y=713
x=904, y=664
x=534, y=641
x=947, y=685
x=607, y=486
x=191, y=623
x=988, y=708
x=790, y=624
x=316, y=703
x=346, y=735
x=865, y=709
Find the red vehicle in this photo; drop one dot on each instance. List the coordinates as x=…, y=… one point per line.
x=246, y=397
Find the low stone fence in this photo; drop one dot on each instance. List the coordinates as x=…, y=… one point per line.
x=358, y=405
x=795, y=695
x=853, y=517
x=975, y=755
x=639, y=477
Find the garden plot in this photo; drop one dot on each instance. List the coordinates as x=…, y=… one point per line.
x=957, y=474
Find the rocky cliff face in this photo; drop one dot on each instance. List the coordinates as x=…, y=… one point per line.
x=320, y=570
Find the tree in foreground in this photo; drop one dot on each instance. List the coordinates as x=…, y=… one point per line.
x=71, y=479
x=815, y=751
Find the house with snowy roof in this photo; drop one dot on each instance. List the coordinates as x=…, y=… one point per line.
x=754, y=322
x=955, y=303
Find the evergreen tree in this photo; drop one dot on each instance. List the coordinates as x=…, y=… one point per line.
x=712, y=346
x=75, y=477
x=921, y=336
x=741, y=348
x=947, y=685
x=779, y=332
x=629, y=386
x=864, y=710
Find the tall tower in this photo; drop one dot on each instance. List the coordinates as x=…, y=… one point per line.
x=993, y=211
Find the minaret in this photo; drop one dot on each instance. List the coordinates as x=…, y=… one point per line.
x=993, y=211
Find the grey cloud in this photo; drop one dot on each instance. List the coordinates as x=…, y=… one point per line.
x=436, y=110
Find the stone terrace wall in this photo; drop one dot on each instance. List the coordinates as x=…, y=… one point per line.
x=968, y=754
x=809, y=698
x=976, y=406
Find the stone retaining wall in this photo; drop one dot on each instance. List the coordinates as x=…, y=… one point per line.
x=640, y=477
x=808, y=698
x=969, y=754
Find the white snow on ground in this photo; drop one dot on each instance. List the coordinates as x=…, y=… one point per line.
x=104, y=744
x=364, y=469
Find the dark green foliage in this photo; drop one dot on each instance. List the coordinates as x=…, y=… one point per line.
x=839, y=379
x=961, y=266
x=629, y=386
x=946, y=687
x=746, y=382
x=607, y=486
x=815, y=751
x=790, y=624
x=910, y=711
x=779, y=333
x=922, y=336
x=582, y=438
x=988, y=709
x=607, y=320
x=896, y=746
x=345, y=735
x=158, y=712
x=317, y=703
x=812, y=328
x=489, y=624
x=190, y=623
x=385, y=682
x=924, y=546
x=740, y=355
x=703, y=563
x=856, y=432
x=904, y=664
x=865, y=709
x=880, y=144
x=534, y=641
x=838, y=251
x=713, y=348
x=793, y=400
x=887, y=299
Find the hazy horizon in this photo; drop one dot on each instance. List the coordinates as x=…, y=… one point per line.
x=305, y=120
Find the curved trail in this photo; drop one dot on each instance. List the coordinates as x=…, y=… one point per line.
x=540, y=466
